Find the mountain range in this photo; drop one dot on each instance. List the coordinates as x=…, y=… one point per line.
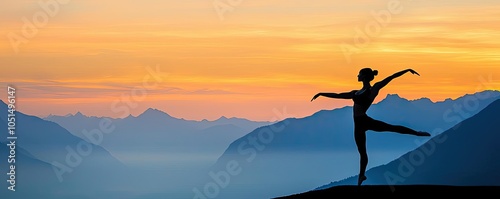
x=172, y=153
x=156, y=155
x=158, y=134
x=465, y=155
x=304, y=153
x=53, y=163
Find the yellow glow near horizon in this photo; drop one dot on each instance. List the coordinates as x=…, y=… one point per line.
x=263, y=56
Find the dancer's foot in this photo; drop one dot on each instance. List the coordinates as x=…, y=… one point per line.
x=361, y=179
x=420, y=133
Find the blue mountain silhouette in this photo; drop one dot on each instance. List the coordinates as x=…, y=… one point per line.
x=32, y=175
x=156, y=132
x=314, y=150
x=43, y=146
x=466, y=155
x=171, y=153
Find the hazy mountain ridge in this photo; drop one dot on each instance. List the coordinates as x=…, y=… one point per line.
x=166, y=147
x=465, y=155
x=155, y=131
x=322, y=143
x=61, y=160
x=156, y=113
x=289, y=156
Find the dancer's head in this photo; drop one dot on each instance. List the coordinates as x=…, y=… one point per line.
x=367, y=74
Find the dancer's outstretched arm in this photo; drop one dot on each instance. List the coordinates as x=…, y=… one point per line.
x=379, y=85
x=346, y=95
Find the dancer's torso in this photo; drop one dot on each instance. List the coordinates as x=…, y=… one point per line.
x=362, y=101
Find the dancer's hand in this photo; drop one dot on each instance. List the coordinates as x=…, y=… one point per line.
x=413, y=72
x=315, y=96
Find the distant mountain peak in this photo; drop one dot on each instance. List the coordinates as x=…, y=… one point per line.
x=393, y=98
x=423, y=99
x=79, y=114
x=223, y=118
x=152, y=112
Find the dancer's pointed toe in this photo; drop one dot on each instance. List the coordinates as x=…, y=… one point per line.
x=361, y=179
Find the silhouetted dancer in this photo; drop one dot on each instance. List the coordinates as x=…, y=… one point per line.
x=362, y=100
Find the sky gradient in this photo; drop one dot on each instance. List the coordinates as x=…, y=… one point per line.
x=194, y=61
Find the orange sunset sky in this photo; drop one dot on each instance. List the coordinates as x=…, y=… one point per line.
x=247, y=58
